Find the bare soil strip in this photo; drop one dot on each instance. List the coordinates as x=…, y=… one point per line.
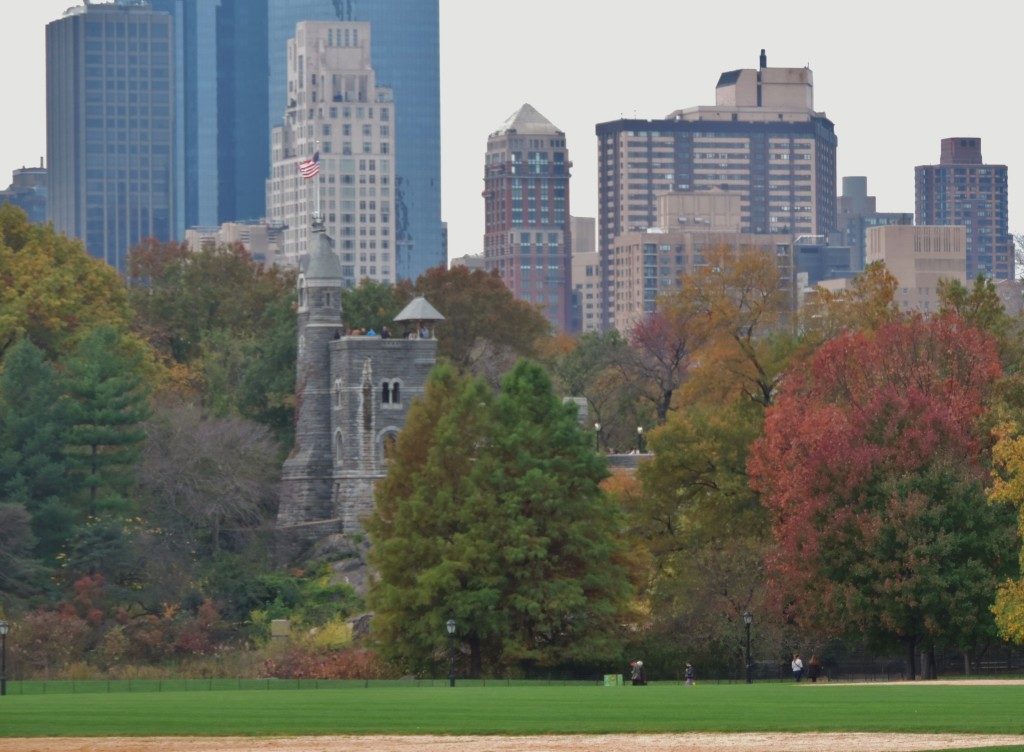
x=697, y=742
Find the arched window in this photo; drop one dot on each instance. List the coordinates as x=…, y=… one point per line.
x=337, y=392
x=385, y=393
x=388, y=445
x=396, y=395
x=338, y=446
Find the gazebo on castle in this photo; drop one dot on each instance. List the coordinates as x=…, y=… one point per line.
x=423, y=315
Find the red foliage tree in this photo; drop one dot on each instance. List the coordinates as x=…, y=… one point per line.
x=871, y=466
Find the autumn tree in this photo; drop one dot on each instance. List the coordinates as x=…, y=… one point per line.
x=223, y=323
x=592, y=367
x=179, y=296
x=51, y=290
x=662, y=346
x=871, y=467
x=206, y=479
x=868, y=303
x=373, y=305
x=747, y=307
x=491, y=513
x=485, y=328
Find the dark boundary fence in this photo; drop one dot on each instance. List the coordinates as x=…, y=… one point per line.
x=102, y=686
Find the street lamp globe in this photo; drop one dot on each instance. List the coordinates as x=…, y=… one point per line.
x=4, y=628
x=450, y=626
x=748, y=618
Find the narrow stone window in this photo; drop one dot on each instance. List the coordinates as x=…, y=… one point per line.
x=389, y=444
x=385, y=393
x=396, y=397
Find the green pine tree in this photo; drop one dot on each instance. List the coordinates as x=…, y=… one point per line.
x=105, y=401
x=32, y=467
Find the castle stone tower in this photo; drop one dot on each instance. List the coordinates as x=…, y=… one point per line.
x=353, y=393
x=307, y=474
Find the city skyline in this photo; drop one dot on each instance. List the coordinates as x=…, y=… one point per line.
x=891, y=91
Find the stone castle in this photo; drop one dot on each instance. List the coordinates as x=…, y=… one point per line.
x=353, y=393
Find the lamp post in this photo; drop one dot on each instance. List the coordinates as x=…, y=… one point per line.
x=450, y=626
x=4, y=629
x=747, y=619
x=597, y=437
x=639, y=439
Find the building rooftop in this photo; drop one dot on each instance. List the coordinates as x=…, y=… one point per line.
x=419, y=309
x=527, y=120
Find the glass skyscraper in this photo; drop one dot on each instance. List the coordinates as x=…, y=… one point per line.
x=406, y=58
x=110, y=127
x=221, y=89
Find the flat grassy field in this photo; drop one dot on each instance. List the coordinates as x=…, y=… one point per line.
x=520, y=710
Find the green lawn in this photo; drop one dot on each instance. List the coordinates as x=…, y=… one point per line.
x=520, y=710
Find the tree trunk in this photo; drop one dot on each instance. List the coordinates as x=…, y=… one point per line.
x=933, y=670
x=911, y=644
x=94, y=481
x=967, y=663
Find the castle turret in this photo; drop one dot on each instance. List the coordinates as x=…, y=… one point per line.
x=307, y=474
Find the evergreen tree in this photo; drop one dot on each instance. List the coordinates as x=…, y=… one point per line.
x=491, y=514
x=32, y=467
x=104, y=402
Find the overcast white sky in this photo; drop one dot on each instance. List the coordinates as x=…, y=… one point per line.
x=895, y=77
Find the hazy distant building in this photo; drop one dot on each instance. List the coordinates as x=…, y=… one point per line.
x=585, y=275
x=527, y=235
x=262, y=241
x=962, y=190
x=857, y=214
x=586, y=292
x=818, y=259
x=472, y=261
x=919, y=257
x=110, y=101
x=406, y=58
x=28, y=191
x=336, y=107
x=1011, y=293
x=646, y=263
x=762, y=139
x=584, y=234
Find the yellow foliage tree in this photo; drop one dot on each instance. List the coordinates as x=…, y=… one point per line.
x=51, y=290
x=1008, y=488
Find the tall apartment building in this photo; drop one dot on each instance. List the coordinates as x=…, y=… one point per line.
x=919, y=257
x=110, y=103
x=762, y=139
x=963, y=190
x=646, y=263
x=28, y=191
x=858, y=213
x=406, y=58
x=527, y=235
x=336, y=107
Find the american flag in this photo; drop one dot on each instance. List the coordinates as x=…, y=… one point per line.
x=311, y=167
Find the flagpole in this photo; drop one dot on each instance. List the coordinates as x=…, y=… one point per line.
x=319, y=205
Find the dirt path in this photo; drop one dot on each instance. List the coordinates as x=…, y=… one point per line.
x=604, y=743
